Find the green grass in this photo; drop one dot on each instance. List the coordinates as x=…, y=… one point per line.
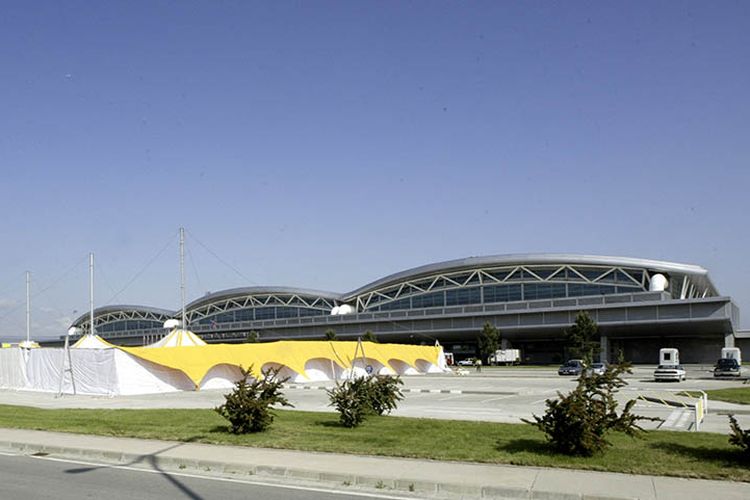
x=700, y=455
x=739, y=395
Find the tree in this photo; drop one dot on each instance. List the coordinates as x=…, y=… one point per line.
x=330, y=334
x=580, y=338
x=489, y=340
x=248, y=406
x=357, y=398
x=578, y=422
x=252, y=337
x=369, y=337
x=739, y=437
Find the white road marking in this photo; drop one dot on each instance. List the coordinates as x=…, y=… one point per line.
x=221, y=479
x=486, y=400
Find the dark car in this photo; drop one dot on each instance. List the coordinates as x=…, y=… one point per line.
x=571, y=367
x=727, y=368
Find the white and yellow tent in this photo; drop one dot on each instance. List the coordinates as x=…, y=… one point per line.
x=178, y=338
x=91, y=342
x=115, y=370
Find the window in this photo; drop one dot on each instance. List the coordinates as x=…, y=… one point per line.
x=396, y=304
x=535, y=291
x=265, y=313
x=502, y=293
x=428, y=300
x=462, y=296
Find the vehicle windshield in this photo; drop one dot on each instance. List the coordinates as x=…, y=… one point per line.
x=727, y=363
x=670, y=367
x=572, y=363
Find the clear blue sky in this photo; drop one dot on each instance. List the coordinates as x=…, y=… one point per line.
x=327, y=144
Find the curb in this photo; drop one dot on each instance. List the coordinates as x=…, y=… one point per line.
x=403, y=485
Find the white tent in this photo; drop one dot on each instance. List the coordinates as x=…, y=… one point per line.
x=112, y=370
x=179, y=338
x=91, y=342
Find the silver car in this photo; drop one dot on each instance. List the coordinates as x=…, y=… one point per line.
x=669, y=372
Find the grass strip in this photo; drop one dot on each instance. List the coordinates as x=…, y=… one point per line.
x=683, y=454
x=740, y=395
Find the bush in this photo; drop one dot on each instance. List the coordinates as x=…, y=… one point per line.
x=385, y=393
x=248, y=406
x=351, y=400
x=357, y=398
x=739, y=437
x=578, y=423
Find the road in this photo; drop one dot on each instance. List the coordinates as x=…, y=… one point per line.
x=32, y=478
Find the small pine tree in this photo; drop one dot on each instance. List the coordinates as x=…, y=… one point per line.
x=248, y=406
x=489, y=341
x=578, y=423
x=369, y=337
x=580, y=337
x=739, y=437
x=357, y=398
x=351, y=400
x=330, y=335
x=252, y=337
x=385, y=393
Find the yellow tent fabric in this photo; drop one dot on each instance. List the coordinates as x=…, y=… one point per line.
x=196, y=361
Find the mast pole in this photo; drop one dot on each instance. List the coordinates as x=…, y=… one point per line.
x=182, y=275
x=28, y=307
x=91, y=293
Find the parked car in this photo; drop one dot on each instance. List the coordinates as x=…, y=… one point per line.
x=571, y=367
x=598, y=368
x=669, y=372
x=466, y=362
x=727, y=368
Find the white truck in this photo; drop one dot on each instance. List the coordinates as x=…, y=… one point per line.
x=506, y=357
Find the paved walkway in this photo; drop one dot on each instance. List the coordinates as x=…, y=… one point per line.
x=416, y=478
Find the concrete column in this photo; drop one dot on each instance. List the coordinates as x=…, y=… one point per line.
x=729, y=339
x=604, y=352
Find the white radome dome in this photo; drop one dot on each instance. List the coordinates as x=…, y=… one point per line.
x=172, y=323
x=659, y=283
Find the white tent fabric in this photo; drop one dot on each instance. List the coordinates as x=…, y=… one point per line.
x=112, y=371
x=179, y=338
x=91, y=342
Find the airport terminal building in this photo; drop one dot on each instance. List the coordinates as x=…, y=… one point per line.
x=640, y=305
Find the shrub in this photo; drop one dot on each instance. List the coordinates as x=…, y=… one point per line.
x=357, y=398
x=248, y=406
x=578, y=423
x=351, y=400
x=385, y=393
x=739, y=437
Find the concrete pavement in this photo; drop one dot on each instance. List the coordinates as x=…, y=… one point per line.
x=409, y=477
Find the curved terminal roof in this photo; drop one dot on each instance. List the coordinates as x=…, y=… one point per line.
x=697, y=274
x=100, y=311
x=260, y=290
x=694, y=271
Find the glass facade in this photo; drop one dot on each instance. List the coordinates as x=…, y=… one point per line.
x=128, y=324
x=520, y=283
x=261, y=313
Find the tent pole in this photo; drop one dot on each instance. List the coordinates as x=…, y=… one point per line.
x=182, y=275
x=91, y=293
x=28, y=308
